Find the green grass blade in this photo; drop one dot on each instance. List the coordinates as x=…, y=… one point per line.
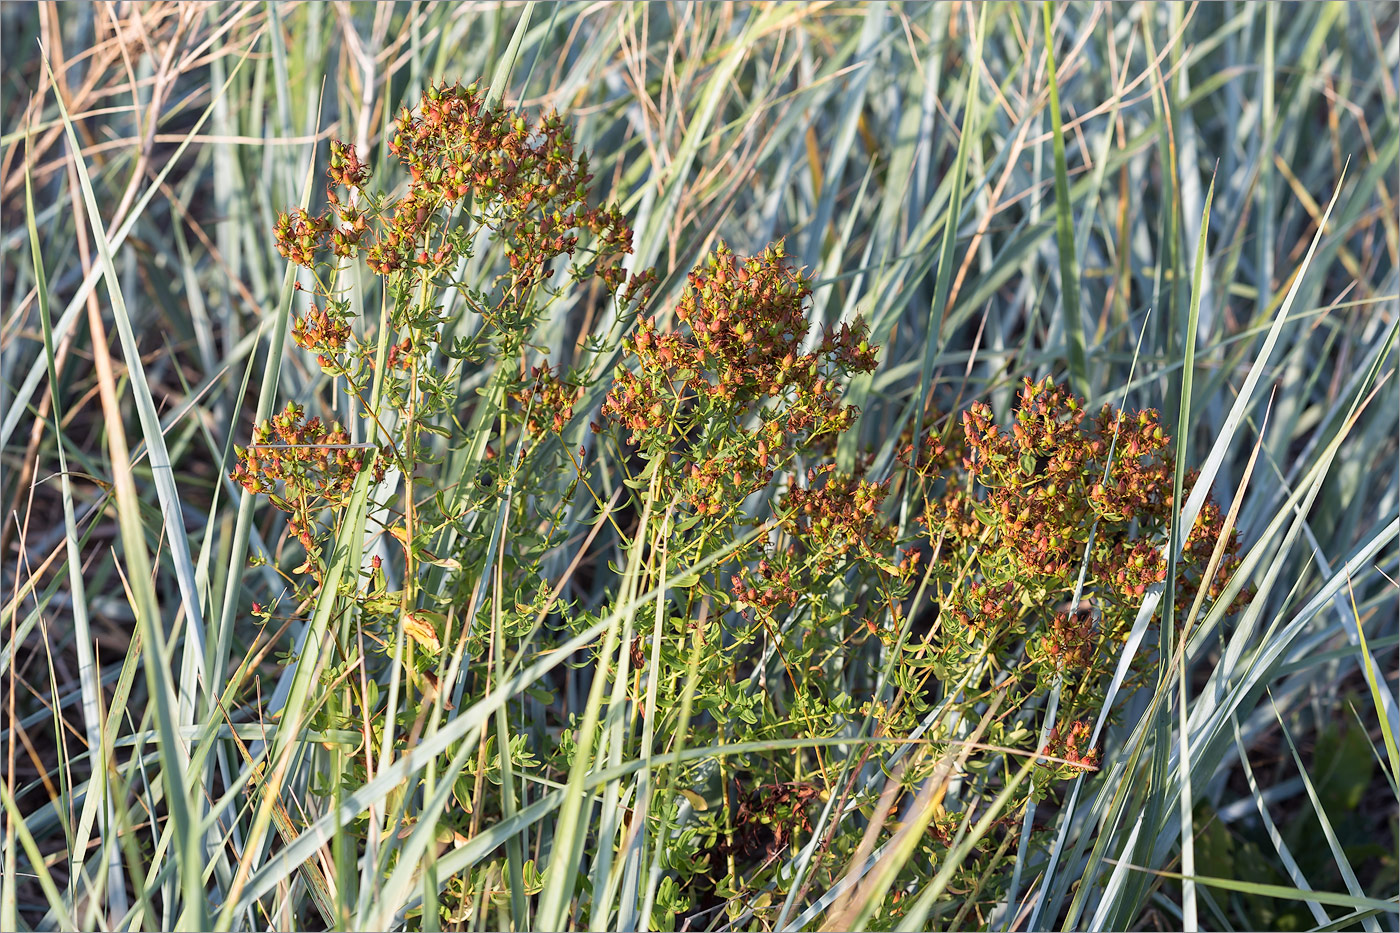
x=1064, y=224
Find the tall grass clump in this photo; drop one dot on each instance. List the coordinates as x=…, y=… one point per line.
x=700, y=466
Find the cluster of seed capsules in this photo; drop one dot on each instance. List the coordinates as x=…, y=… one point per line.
x=988, y=610
x=473, y=166
x=838, y=519
x=546, y=402
x=521, y=176
x=303, y=466
x=324, y=334
x=1072, y=744
x=1066, y=647
x=1055, y=474
x=737, y=353
x=831, y=527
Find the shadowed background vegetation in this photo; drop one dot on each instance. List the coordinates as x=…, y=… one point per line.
x=909, y=155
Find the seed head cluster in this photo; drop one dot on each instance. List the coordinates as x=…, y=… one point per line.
x=303, y=466
x=545, y=401
x=1040, y=487
x=737, y=357
x=1072, y=744
x=524, y=175
x=457, y=146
